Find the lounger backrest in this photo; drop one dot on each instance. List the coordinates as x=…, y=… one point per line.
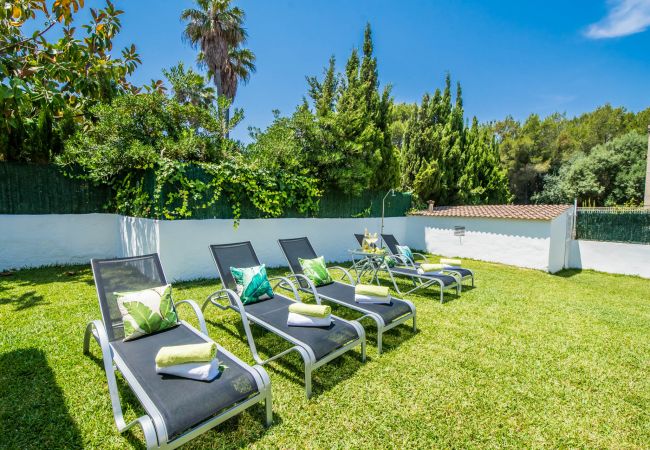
x=123, y=275
x=297, y=248
x=240, y=254
x=360, y=238
x=391, y=242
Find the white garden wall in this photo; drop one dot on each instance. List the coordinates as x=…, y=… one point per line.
x=561, y=229
x=524, y=243
x=183, y=244
x=37, y=240
x=613, y=257
x=40, y=240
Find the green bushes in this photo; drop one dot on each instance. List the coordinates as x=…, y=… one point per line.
x=609, y=174
x=167, y=159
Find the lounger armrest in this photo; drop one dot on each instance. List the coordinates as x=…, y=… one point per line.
x=198, y=312
x=345, y=271
x=421, y=256
x=284, y=281
x=298, y=277
x=237, y=305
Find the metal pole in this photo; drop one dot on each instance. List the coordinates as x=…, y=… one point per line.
x=646, y=198
x=383, y=208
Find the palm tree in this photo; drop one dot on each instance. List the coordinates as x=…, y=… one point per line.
x=216, y=28
x=239, y=67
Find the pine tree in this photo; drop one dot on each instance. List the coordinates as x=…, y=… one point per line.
x=324, y=94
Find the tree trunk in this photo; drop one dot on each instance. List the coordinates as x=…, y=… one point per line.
x=219, y=85
x=227, y=116
x=217, y=82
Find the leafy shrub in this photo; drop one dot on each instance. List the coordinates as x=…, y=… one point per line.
x=166, y=159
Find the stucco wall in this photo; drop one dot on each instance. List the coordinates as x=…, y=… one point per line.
x=560, y=235
x=40, y=240
x=138, y=236
x=613, y=257
x=184, y=244
x=37, y=240
x=524, y=243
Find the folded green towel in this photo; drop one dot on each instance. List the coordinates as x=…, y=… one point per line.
x=183, y=354
x=310, y=310
x=451, y=262
x=431, y=267
x=371, y=290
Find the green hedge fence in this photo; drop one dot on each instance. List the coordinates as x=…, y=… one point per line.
x=41, y=189
x=614, y=225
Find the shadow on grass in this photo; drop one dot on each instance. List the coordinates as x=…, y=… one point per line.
x=25, y=301
x=267, y=343
x=48, y=275
x=567, y=273
x=33, y=413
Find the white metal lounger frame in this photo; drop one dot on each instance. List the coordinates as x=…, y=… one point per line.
x=422, y=282
x=381, y=325
x=302, y=348
x=152, y=424
x=419, y=281
x=412, y=264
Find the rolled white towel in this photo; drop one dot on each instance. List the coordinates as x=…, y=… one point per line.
x=299, y=320
x=201, y=371
x=360, y=298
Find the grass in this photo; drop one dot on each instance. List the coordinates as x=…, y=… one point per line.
x=524, y=360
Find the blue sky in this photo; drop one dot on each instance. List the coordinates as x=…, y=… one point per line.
x=512, y=57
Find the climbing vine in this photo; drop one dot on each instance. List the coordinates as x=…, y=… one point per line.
x=176, y=190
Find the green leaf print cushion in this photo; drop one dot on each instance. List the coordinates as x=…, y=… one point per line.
x=252, y=283
x=316, y=270
x=147, y=311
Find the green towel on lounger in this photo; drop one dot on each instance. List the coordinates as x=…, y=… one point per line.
x=183, y=354
x=371, y=290
x=310, y=310
x=451, y=262
x=432, y=267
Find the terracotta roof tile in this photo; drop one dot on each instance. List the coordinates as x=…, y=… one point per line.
x=525, y=212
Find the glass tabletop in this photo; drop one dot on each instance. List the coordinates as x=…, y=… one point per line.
x=361, y=252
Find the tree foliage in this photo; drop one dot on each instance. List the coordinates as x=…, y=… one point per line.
x=47, y=87
x=341, y=134
x=136, y=131
x=216, y=28
x=443, y=160
x=542, y=146
x=141, y=134
x=189, y=86
x=608, y=174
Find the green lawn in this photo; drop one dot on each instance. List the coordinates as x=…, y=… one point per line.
x=524, y=360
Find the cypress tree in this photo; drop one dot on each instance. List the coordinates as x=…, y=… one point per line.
x=444, y=160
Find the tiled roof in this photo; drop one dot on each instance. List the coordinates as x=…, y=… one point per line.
x=524, y=212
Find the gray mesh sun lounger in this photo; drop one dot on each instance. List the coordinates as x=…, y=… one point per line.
x=177, y=409
x=420, y=281
x=392, y=244
x=316, y=345
x=385, y=316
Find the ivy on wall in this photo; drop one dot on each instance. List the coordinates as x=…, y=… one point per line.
x=175, y=190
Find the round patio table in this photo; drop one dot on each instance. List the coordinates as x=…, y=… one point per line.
x=367, y=262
